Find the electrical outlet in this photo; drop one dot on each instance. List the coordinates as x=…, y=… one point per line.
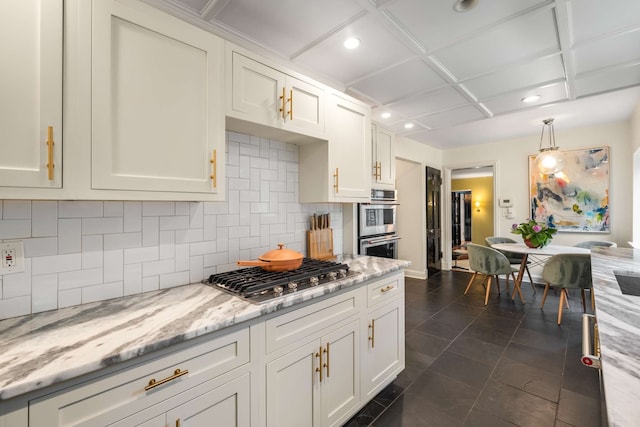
x=12, y=260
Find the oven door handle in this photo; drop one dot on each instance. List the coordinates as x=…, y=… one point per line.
x=382, y=239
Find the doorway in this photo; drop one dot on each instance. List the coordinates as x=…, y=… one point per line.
x=434, y=246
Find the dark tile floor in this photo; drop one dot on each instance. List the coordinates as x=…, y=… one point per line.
x=503, y=364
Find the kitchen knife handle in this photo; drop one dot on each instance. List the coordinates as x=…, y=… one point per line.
x=335, y=186
x=214, y=169
x=282, y=109
x=50, y=144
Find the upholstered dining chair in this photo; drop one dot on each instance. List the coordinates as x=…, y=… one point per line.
x=511, y=256
x=488, y=262
x=567, y=271
x=591, y=243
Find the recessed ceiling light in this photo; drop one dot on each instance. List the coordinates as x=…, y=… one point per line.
x=408, y=125
x=351, y=43
x=464, y=5
x=385, y=115
x=532, y=98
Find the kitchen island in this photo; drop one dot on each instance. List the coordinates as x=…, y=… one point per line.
x=618, y=318
x=48, y=349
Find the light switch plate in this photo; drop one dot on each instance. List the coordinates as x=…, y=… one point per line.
x=12, y=257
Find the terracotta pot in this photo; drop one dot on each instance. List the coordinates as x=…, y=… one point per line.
x=530, y=244
x=275, y=260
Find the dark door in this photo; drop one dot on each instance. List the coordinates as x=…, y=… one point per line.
x=434, y=247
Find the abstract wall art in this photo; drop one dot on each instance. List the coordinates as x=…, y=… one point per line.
x=575, y=199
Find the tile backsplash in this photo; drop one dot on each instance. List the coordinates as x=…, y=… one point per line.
x=83, y=251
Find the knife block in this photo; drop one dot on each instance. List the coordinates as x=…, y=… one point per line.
x=320, y=243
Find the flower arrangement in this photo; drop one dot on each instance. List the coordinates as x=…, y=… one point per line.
x=535, y=234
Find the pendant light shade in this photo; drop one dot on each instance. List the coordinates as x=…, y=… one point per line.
x=550, y=160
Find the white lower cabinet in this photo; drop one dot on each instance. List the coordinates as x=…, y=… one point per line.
x=317, y=384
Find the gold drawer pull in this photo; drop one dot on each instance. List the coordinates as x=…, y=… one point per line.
x=153, y=383
x=386, y=289
x=335, y=186
x=50, y=144
x=372, y=338
x=214, y=169
x=284, y=100
x=291, y=103
x=326, y=363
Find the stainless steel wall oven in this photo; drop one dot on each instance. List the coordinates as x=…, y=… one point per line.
x=377, y=225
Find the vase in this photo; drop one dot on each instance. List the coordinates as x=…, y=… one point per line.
x=530, y=244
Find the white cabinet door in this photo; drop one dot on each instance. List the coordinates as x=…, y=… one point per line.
x=292, y=388
x=226, y=406
x=341, y=383
x=349, y=150
x=385, y=346
x=264, y=95
x=31, y=93
x=384, y=158
x=157, y=102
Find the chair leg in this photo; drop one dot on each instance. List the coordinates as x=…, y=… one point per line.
x=516, y=290
x=486, y=296
x=530, y=280
x=544, y=295
x=563, y=292
x=470, y=282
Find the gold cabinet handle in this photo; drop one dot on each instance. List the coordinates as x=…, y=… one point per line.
x=326, y=363
x=283, y=100
x=375, y=170
x=319, y=368
x=386, y=289
x=372, y=328
x=178, y=422
x=214, y=169
x=290, y=104
x=176, y=374
x=335, y=186
x=379, y=171
x=50, y=144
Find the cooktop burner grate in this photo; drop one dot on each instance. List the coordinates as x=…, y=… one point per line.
x=258, y=285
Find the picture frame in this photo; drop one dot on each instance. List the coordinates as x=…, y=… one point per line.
x=575, y=199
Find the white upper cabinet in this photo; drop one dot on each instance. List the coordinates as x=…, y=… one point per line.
x=31, y=94
x=383, y=158
x=157, y=103
x=264, y=95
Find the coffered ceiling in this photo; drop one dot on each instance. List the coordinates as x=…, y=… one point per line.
x=459, y=78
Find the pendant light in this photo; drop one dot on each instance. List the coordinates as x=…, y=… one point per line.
x=550, y=160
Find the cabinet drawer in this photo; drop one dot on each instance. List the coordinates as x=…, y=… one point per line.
x=114, y=396
x=303, y=322
x=385, y=289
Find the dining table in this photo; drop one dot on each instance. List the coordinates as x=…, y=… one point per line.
x=536, y=256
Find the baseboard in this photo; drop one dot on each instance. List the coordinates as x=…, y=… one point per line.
x=415, y=274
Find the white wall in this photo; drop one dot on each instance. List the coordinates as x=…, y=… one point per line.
x=84, y=251
x=411, y=211
x=511, y=174
x=635, y=144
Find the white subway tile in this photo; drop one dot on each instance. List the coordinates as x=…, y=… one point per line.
x=43, y=246
x=215, y=208
x=44, y=218
x=182, y=257
x=200, y=248
x=17, y=284
x=80, y=209
x=16, y=209
x=174, y=279
x=15, y=228
x=151, y=283
x=233, y=200
x=55, y=263
x=102, y=225
x=13, y=307
x=155, y=268
x=196, y=215
x=102, y=292
x=69, y=297
x=135, y=255
x=209, y=231
x=113, y=265
x=44, y=295
x=188, y=236
x=150, y=231
x=167, y=244
x=196, y=270
x=174, y=222
x=122, y=241
x=158, y=208
x=80, y=278
x=113, y=209
x=133, y=278
x=69, y=236
x=182, y=208
x=249, y=242
x=238, y=232
x=132, y=216
x=92, y=253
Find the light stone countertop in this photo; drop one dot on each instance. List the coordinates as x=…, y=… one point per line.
x=618, y=318
x=46, y=348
